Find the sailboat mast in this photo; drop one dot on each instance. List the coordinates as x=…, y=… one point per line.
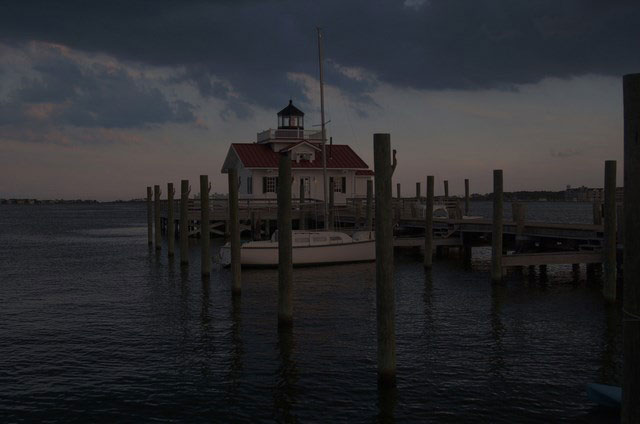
x=324, y=134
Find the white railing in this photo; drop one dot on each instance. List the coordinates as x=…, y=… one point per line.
x=289, y=134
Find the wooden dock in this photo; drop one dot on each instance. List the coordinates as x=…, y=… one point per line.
x=526, y=243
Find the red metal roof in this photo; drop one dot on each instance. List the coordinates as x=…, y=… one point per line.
x=365, y=172
x=255, y=155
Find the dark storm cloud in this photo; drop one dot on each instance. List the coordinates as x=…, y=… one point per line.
x=62, y=92
x=436, y=44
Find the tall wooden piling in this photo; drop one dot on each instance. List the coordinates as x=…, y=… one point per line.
x=418, y=191
x=171, y=233
x=156, y=215
x=369, y=205
x=466, y=196
x=331, y=203
x=303, y=218
x=234, y=231
x=184, y=222
x=149, y=216
x=610, y=228
x=205, y=188
x=398, y=203
x=285, y=255
x=496, y=238
x=385, y=298
x=428, y=224
x=446, y=189
x=631, y=307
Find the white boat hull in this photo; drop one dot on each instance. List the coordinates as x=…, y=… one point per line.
x=265, y=254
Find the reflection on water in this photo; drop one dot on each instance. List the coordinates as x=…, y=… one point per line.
x=285, y=392
x=98, y=326
x=611, y=344
x=237, y=349
x=387, y=400
x=497, y=364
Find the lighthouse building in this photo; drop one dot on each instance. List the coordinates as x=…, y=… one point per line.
x=257, y=163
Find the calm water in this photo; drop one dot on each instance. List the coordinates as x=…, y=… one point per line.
x=96, y=327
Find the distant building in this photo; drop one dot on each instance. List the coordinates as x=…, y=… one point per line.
x=586, y=194
x=257, y=163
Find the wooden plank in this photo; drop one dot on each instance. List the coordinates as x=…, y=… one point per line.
x=419, y=241
x=553, y=258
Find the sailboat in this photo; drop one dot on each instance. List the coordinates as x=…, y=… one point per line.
x=310, y=247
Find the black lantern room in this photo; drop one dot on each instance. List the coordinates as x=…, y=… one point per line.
x=291, y=118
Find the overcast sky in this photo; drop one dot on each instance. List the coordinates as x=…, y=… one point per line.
x=100, y=99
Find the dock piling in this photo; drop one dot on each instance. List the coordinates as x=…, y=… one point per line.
x=496, y=238
x=285, y=255
x=385, y=298
x=446, y=189
x=184, y=221
x=597, y=212
x=149, y=217
x=466, y=196
x=398, y=203
x=205, y=189
x=610, y=228
x=331, y=225
x=303, y=219
x=631, y=308
x=234, y=232
x=418, y=191
x=428, y=224
x=171, y=234
x=369, y=205
x=156, y=212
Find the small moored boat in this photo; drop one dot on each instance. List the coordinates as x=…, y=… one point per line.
x=308, y=248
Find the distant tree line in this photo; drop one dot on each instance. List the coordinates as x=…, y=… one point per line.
x=551, y=196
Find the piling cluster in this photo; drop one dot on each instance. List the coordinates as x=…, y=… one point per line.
x=605, y=218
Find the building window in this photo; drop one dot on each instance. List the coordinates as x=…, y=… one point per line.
x=249, y=185
x=340, y=186
x=269, y=184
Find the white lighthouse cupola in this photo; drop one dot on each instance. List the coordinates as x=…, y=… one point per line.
x=291, y=118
